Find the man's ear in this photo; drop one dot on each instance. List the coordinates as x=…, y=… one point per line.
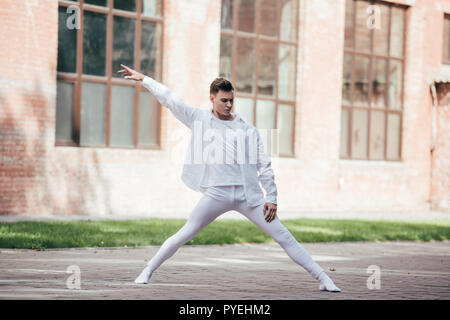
x=211, y=97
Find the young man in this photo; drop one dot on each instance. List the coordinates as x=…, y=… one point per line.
x=231, y=184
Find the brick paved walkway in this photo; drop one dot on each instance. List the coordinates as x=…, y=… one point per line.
x=408, y=270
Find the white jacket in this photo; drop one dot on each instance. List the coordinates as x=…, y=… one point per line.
x=199, y=120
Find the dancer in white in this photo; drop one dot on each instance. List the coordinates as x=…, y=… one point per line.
x=231, y=184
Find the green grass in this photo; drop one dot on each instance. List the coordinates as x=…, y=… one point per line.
x=42, y=235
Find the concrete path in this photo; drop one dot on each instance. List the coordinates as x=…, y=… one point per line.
x=407, y=270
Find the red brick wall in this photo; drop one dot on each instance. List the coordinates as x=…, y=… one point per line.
x=37, y=178
x=28, y=42
x=322, y=180
x=440, y=184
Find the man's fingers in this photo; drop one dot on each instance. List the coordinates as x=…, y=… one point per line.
x=128, y=69
x=267, y=216
x=271, y=215
x=269, y=212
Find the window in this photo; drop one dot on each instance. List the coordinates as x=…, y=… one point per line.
x=372, y=86
x=446, y=40
x=258, y=53
x=96, y=107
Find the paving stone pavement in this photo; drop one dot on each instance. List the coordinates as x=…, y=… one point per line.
x=408, y=270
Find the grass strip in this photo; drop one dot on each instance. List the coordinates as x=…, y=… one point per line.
x=145, y=232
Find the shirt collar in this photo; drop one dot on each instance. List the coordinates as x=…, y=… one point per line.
x=211, y=115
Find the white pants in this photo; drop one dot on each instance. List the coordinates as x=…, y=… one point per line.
x=218, y=200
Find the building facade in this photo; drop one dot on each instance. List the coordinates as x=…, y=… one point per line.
x=352, y=96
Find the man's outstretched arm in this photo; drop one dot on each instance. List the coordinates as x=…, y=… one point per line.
x=180, y=109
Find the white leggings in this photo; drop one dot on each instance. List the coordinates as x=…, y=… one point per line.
x=218, y=200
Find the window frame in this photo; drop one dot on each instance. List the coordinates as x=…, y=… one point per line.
x=78, y=77
x=370, y=107
x=444, y=60
x=235, y=34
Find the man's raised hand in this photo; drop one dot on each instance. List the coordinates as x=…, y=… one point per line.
x=131, y=74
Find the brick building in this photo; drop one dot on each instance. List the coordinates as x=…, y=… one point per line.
x=352, y=93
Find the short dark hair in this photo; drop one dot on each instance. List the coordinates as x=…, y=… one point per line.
x=220, y=84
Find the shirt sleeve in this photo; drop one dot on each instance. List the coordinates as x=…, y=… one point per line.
x=180, y=109
x=266, y=174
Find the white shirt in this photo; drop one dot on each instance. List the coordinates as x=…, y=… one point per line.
x=226, y=171
x=255, y=170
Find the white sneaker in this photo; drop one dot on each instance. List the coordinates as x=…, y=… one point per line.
x=144, y=276
x=328, y=285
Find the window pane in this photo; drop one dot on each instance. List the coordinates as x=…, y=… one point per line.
x=359, y=134
x=265, y=114
x=245, y=65
x=64, y=112
x=285, y=125
x=361, y=80
x=362, y=32
x=123, y=46
x=288, y=25
x=93, y=114
x=94, y=43
x=349, y=9
x=226, y=57
x=265, y=121
x=393, y=141
x=397, y=31
x=148, y=119
x=380, y=45
x=446, y=41
x=227, y=14
x=128, y=5
x=379, y=83
x=151, y=8
x=268, y=139
x=122, y=116
x=267, y=68
x=150, y=39
x=345, y=118
x=395, y=85
x=268, y=18
x=244, y=106
x=247, y=15
x=67, y=41
x=286, y=72
x=377, y=136
x=103, y=3
x=347, y=80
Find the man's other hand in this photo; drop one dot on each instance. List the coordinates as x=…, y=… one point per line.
x=270, y=211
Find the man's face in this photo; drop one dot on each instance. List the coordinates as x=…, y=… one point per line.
x=222, y=102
